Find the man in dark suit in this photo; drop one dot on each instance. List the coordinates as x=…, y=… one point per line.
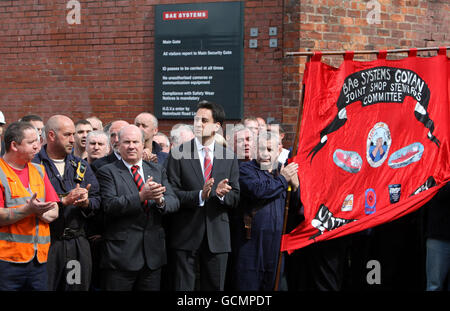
x=95, y=225
x=207, y=183
x=135, y=195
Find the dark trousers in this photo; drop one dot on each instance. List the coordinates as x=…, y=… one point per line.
x=31, y=276
x=69, y=265
x=212, y=269
x=327, y=261
x=141, y=280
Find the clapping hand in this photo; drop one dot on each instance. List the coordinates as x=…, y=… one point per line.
x=78, y=196
x=149, y=156
x=289, y=172
x=152, y=191
x=207, y=188
x=37, y=207
x=223, y=188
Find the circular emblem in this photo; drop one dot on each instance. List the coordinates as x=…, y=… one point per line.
x=378, y=144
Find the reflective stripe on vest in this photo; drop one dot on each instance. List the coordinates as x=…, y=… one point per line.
x=20, y=238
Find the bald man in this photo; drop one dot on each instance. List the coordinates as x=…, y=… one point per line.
x=135, y=194
x=97, y=124
x=152, y=151
x=78, y=190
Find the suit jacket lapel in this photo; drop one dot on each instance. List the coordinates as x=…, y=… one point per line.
x=195, y=162
x=126, y=176
x=147, y=171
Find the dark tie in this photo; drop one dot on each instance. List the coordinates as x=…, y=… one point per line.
x=138, y=179
x=207, y=165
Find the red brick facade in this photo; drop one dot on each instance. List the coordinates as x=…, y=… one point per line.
x=104, y=65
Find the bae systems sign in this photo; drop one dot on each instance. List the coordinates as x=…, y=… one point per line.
x=185, y=15
x=198, y=56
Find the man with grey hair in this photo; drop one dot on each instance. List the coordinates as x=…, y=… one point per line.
x=241, y=140
x=135, y=196
x=180, y=134
x=163, y=141
x=258, y=221
x=113, y=131
x=97, y=145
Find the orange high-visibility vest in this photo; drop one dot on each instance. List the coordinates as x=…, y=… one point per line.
x=21, y=241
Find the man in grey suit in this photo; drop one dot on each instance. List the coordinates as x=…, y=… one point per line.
x=205, y=177
x=135, y=195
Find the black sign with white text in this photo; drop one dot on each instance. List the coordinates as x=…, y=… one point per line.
x=198, y=56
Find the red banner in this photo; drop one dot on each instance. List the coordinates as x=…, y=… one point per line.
x=374, y=143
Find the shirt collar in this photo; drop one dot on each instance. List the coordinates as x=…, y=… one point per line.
x=128, y=165
x=118, y=156
x=200, y=146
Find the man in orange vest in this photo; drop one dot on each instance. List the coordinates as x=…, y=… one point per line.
x=28, y=203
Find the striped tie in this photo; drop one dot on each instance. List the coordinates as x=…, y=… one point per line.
x=138, y=179
x=207, y=165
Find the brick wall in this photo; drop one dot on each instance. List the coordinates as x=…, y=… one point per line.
x=104, y=66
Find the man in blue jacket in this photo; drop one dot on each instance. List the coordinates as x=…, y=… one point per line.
x=69, y=261
x=258, y=221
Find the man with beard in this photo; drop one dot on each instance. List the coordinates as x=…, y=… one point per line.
x=78, y=190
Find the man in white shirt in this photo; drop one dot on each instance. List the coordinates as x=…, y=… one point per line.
x=205, y=178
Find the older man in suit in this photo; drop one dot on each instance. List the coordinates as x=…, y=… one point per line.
x=135, y=195
x=205, y=177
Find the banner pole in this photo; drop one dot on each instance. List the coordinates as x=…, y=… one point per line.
x=364, y=52
x=289, y=191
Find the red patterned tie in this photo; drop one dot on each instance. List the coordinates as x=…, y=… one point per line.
x=207, y=165
x=138, y=179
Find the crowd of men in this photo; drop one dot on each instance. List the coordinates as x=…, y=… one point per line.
x=124, y=207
